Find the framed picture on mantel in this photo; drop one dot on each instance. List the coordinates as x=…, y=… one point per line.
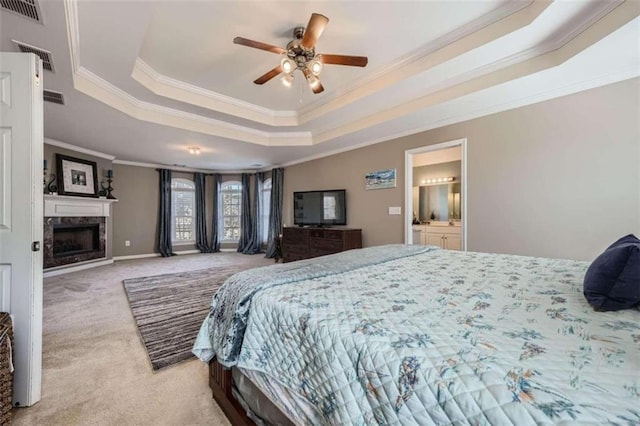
x=76, y=176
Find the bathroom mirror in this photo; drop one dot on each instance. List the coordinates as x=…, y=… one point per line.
x=438, y=202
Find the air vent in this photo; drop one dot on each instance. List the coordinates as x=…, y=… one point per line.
x=47, y=59
x=55, y=97
x=27, y=8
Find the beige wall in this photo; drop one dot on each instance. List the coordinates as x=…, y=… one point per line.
x=136, y=212
x=559, y=178
x=102, y=165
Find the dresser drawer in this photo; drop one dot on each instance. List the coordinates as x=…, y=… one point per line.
x=303, y=243
x=327, y=233
x=325, y=244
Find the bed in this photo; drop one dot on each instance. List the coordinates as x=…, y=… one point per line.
x=403, y=334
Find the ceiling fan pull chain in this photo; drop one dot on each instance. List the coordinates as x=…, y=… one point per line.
x=300, y=89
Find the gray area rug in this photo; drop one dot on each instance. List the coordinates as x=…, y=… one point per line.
x=169, y=310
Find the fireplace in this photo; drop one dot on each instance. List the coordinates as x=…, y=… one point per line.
x=73, y=239
x=69, y=239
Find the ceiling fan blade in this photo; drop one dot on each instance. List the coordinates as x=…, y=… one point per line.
x=313, y=30
x=269, y=75
x=352, y=61
x=258, y=45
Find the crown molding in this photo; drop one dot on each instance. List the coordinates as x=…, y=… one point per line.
x=80, y=149
x=73, y=34
x=616, y=18
x=625, y=74
x=486, y=29
x=178, y=90
x=179, y=168
x=91, y=84
x=550, y=54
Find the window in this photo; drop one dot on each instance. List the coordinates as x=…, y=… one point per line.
x=266, y=209
x=183, y=193
x=230, y=198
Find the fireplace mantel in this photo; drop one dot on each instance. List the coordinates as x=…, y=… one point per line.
x=68, y=206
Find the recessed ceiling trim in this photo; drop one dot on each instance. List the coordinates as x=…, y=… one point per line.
x=76, y=148
x=90, y=84
x=178, y=90
x=434, y=54
x=73, y=34
x=625, y=74
x=178, y=168
x=501, y=21
x=533, y=52
x=615, y=19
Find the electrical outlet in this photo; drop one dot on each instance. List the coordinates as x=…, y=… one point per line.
x=127, y=243
x=395, y=210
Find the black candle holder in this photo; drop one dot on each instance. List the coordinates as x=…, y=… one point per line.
x=51, y=187
x=45, y=188
x=109, y=189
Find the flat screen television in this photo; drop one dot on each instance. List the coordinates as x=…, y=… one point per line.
x=320, y=208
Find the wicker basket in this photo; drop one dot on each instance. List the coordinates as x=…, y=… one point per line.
x=6, y=368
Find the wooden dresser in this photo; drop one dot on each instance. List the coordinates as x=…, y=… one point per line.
x=304, y=243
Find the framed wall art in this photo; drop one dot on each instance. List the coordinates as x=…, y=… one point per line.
x=76, y=176
x=380, y=179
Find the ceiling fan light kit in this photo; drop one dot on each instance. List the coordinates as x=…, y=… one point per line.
x=300, y=54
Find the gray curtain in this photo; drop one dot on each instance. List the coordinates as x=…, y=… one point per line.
x=275, y=214
x=215, y=236
x=164, y=214
x=201, y=216
x=255, y=242
x=246, y=224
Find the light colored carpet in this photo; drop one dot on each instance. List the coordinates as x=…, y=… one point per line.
x=170, y=308
x=95, y=368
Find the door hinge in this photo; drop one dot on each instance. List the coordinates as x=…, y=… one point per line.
x=35, y=246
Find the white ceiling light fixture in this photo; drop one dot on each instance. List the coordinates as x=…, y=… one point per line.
x=438, y=180
x=287, y=65
x=287, y=79
x=194, y=150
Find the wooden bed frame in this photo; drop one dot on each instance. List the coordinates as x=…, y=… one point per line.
x=221, y=383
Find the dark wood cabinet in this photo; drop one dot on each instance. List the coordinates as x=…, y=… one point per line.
x=304, y=243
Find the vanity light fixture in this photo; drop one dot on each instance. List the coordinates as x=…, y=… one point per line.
x=437, y=180
x=194, y=150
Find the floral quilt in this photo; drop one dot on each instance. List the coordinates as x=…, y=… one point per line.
x=418, y=335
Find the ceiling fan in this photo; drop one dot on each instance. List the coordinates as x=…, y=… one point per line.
x=300, y=54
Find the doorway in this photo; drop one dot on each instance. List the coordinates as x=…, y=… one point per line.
x=454, y=209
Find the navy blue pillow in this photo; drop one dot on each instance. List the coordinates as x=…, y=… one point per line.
x=612, y=281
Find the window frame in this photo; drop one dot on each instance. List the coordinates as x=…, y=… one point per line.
x=222, y=216
x=190, y=190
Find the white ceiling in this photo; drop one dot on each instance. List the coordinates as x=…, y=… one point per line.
x=144, y=80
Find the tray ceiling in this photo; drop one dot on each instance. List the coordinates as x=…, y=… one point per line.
x=145, y=80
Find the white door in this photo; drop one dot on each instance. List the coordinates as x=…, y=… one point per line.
x=21, y=216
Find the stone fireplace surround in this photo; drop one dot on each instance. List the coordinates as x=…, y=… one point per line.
x=69, y=210
x=50, y=259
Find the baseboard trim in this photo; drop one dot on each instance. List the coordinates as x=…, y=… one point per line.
x=187, y=252
x=135, y=256
x=144, y=256
x=75, y=268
